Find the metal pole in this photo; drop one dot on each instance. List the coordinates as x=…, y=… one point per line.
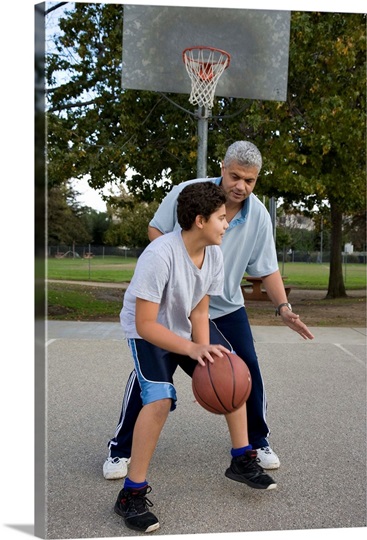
x=203, y=115
x=273, y=214
x=89, y=261
x=321, y=238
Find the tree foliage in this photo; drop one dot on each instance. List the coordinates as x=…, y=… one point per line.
x=313, y=144
x=69, y=222
x=322, y=124
x=65, y=225
x=130, y=224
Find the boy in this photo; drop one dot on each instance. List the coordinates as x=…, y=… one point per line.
x=165, y=317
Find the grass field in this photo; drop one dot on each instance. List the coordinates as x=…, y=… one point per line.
x=75, y=302
x=119, y=270
x=103, y=269
x=316, y=276
x=78, y=302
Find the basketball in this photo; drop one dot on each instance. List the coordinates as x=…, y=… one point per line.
x=223, y=386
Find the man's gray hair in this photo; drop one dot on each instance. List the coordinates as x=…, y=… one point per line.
x=244, y=153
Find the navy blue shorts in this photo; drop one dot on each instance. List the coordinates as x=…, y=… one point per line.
x=155, y=367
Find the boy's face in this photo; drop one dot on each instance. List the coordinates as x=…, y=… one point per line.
x=215, y=227
x=238, y=181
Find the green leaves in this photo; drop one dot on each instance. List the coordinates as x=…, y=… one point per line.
x=306, y=141
x=313, y=144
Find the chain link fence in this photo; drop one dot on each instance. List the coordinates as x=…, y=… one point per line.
x=91, y=250
x=88, y=251
x=321, y=257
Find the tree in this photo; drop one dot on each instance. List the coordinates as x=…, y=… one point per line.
x=130, y=224
x=313, y=144
x=65, y=222
x=98, y=128
x=319, y=132
x=97, y=223
x=69, y=222
x=303, y=233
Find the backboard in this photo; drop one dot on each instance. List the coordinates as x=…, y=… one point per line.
x=154, y=38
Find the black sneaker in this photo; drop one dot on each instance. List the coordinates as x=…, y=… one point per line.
x=246, y=469
x=132, y=505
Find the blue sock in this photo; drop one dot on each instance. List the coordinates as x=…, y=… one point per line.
x=235, y=452
x=129, y=484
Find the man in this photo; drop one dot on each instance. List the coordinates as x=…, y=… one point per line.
x=247, y=247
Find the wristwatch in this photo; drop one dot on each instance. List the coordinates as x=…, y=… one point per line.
x=287, y=304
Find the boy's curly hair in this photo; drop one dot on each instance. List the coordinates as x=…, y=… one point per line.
x=198, y=199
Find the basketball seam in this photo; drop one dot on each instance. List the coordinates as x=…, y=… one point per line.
x=215, y=392
x=234, y=381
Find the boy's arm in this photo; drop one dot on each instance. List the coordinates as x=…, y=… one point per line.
x=199, y=318
x=149, y=329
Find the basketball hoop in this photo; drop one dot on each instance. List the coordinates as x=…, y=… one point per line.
x=204, y=65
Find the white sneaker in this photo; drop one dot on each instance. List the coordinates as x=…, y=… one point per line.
x=115, y=468
x=267, y=458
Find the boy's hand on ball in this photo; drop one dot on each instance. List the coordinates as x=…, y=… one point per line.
x=200, y=353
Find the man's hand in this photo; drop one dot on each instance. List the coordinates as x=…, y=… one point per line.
x=292, y=320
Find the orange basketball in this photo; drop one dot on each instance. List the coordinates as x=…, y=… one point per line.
x=223, y=386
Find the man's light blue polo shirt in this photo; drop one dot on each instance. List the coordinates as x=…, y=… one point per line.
x=248, y=245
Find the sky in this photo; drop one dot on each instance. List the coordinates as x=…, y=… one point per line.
x=17, y=262
x=89, y=196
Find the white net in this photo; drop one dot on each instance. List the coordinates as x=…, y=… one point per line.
x=204, y=65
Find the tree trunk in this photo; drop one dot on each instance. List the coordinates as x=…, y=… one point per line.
x=336, y=288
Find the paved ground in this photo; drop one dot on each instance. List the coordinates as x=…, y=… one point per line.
x=317, y=412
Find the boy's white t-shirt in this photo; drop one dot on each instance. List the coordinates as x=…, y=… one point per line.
x=166, y=275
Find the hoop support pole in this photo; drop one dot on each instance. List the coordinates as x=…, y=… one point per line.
x=203, y=115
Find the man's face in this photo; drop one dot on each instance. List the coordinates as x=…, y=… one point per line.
x=238, y=181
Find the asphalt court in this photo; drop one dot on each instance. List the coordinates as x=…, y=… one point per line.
x=316, y=394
